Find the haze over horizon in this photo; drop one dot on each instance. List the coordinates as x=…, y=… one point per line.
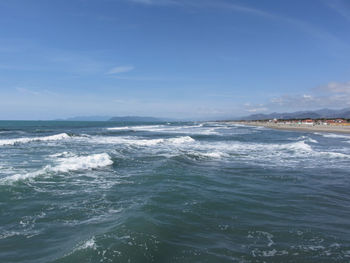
x=172, y=58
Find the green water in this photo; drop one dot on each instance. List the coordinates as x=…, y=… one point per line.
x=172, y=192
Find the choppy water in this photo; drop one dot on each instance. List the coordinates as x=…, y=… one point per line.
x=172, y=192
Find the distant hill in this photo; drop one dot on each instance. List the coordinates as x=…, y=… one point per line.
x=87, y=118
x=135, y=119
x=322, y=113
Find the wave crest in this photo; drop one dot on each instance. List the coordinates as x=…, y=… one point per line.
x=74, y=163
x=15, y=141
x=81, y=163
x=141, y=142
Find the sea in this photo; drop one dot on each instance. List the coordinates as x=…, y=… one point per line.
x=172, y=192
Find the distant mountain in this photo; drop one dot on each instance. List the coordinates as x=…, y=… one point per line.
x=87, y=118
x=322, y=113
x=135, y=119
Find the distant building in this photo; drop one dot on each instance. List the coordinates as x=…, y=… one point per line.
x=308, y=121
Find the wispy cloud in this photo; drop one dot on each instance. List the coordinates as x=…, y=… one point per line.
x=332, y=95
x=120, y=69
x=336, y=87
x=303, y=26
x=28, y=91
x=156, y=2
x=37, y=57
x=206, y=4
x=36, y=92
x=253, y=110
x=340, y=7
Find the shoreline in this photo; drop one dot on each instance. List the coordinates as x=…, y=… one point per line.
x=299, y=127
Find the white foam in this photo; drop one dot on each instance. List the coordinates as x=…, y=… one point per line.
x=145, y=127
x=270, y=253
x=89, y=244
x=62, y=154
x=152, y=142
x=297, y=146
x=214, y=155
x=74, y=163
x=250, y=148
x=180, y=140
x=305, y=138
x=268, y=153
x=335, y=154
x=119, y=128
x=82, y=163
x=312, y=140
x=191, y=129
x=333, y=135
x=140, y=142
x=56, y=137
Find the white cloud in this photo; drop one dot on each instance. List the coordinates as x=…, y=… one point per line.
x=332, y=95
x=340, y=7
x=336, y=87
x=155, y=2
x=262, y=109
x=148, y=2
x=36, y=91
x=327, y=38
x=120, y=69
x=28, y=91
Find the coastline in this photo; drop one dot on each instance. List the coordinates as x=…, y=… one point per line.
x=299, y=127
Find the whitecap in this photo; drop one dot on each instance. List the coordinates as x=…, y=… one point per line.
x=144, y=127
x=89, y=244
x=335, y=154
x=180, y=140
x=305, y=138
x=56, y=137
x=213, y=155
x=81, y=163
x=119, y=128
x=140, y=142
x=298, y=146
x=62, y=154
x=73, y=163
x=312, y=140
x=333, y=135
x=191, y=129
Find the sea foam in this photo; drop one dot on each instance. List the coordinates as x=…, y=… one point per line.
x=73, y=163
x=333, y=135
x=140, y=142
x=15, y=141
x=81, y=163
x=141, y=128
x=190, y=129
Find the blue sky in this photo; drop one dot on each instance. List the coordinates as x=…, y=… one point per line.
x=172, y=58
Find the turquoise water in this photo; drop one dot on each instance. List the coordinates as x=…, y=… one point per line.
x=172, y=192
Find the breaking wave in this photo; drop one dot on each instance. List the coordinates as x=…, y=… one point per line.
x=190, y=129
x=82, y=163
x=126, y=128
x=333, y=135
x=140, y=142
x=15, y=141
x=73, y=163
x=264, y=151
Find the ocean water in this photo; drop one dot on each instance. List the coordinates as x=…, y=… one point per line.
x=172, y=192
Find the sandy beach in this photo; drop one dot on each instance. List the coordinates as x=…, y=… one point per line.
x=300, y=127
